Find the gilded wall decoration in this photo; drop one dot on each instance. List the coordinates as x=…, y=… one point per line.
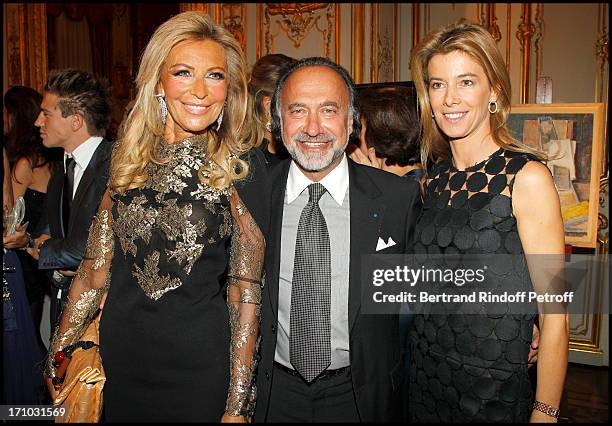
x=233, y=18
x=297, y=21
x=526, y=30
x=26, y=33
x=385, y=58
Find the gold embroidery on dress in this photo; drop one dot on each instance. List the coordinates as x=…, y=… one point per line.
x=149, y=279
x=79, y=314
x=244, y=307
x=100, y=241
x=133, y=221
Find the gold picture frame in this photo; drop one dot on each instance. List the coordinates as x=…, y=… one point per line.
x=571, y=134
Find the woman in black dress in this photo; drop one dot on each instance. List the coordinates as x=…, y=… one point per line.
x=172, y=240
x=486, y=193
x=32, y=165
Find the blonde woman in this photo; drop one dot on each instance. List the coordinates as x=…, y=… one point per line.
x=485, y=194
x=172, y=348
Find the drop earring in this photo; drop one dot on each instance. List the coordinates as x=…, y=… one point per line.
x=163, y=108
x=220, y=119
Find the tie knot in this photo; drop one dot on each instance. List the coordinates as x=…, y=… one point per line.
x=315, y=192
x=69, y=163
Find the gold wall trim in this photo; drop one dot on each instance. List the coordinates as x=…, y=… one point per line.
x=337, y=33
x=201, y=7
x=602, y=78
x=258, y=26
x=508, y=24
x=525, y=31
x=233, y=19
x=538, y=38
x=357, y=30
x=374, y=41
x=26, y=30
x=395, y=43
x=416, y=21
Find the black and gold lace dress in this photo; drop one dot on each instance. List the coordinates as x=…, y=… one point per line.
x=182, y=263
x=472, y=367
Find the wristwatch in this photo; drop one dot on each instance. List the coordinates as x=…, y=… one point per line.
x=546, y=409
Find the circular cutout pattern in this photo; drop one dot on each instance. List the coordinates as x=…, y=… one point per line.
x=464, y=238
x=497, y=184
x=501, y=206
x=459, y=199
x=476, y=182
x=478, y=201
x=442, y=181
x=489, y=240
x=480, y=220
x=445, y=236
x=457, y=180
x=495, y=165
x=515, y=164
x=443, y=198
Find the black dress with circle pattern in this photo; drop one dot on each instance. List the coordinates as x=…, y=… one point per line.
x=471, y=367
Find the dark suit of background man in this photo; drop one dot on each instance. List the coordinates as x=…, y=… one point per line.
x=337, y=364
x=75, y=113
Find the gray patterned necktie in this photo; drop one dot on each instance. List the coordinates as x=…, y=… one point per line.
x=310, y=329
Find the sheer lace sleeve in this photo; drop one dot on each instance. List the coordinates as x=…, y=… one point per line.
x=244, y=304
x=89, y=284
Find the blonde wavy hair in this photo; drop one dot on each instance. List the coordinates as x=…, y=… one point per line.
x=141, y=132
x=477, y=43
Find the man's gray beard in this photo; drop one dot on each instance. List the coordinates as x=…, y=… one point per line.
x=314, y=161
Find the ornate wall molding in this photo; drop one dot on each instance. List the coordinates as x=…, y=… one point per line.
x=508, y=38
x=602, y=78
x=538, y=38
x=297, y=21
x=202, y=7
x=357, y=40
x=525, y=31
x=26, y=30
x=374, y=41
x=488, y=20
x=233, y=19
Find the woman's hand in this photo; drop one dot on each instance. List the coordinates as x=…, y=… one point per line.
x=52, y=391
x=367, y=160
x=228, y=418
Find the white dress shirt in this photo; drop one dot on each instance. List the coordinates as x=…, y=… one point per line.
x=82, y=156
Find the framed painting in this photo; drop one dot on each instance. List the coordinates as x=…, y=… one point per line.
x=571, y=137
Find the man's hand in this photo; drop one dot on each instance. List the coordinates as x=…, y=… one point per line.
x=17, y=240
x=35, y=251
x=535, y=346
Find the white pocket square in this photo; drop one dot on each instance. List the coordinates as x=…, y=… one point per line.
x=381, y=245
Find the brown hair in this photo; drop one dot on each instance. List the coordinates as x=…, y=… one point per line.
x=477, y=43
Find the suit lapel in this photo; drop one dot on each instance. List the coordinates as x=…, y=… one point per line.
x=278, y=182
x=89, y=176
x=366, y=219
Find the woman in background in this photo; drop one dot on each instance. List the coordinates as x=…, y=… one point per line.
x=32, y=166
x=264, y=75
x=486, y=194
x=21, y=354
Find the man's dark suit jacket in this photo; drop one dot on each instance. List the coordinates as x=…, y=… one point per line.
x=66, y=248
x=381, y=205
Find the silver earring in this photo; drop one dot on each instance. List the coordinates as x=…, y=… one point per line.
x=220, y=119
x=269, y=126
x=163, y=108
x=493, y=107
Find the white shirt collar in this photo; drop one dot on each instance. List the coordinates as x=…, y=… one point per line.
x=83, y=153
x=336, y=182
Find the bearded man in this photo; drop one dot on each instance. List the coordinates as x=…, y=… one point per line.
x=322, y=359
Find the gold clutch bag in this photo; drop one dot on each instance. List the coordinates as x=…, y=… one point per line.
x=81, y=391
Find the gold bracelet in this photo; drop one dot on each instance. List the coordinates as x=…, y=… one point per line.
x=546, y=409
